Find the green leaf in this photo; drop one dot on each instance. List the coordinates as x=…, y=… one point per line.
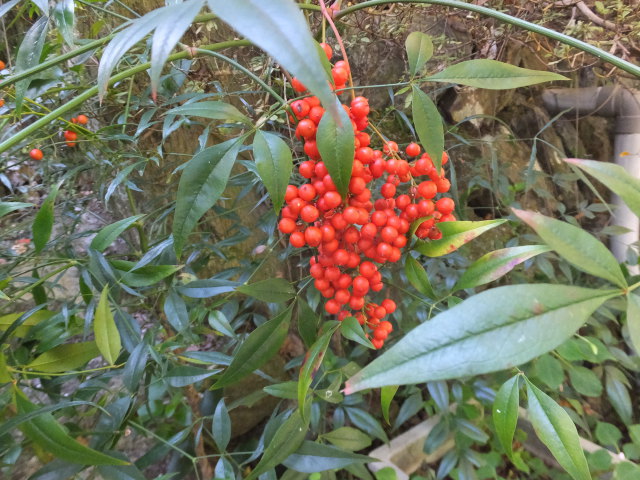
x=221, y=426
x=274, y=163
x=454, y=235
x=105, y=330
x=494, y=330
x=29, y=55
x=275, y=26
x=308, y=322
x=212, y=109
x=608, y=434
x=63, y=13
x=107, y=235
x=134, y=367
x=176, y=311
x=387, y=473
x=428, y=123
x=273, y=290
x=171, y=28
x=615, y=177
x=616, y=385
x=549, y=370
x=493, y=75
x=8, y=207
x=336, y=144
x=367, y=422
x=419, y=50
x=7, y=320
x=201, y=185
x=633, y=320
x=585, y=381
x=262, y=344
x=348, y=438
x=288, y=390
x=386, y=396
x=505, y=412
x=554, y=428
x=496, y=264
x=170, y=23
x=312, y=362
x=148, y=275
x=351, y=329
x=184, y=375
x=46, y=432
x=572, y=243
x=218, y=321
x=285, y=441
x=43, y=221
x=206, y=288
x=417, y=276
x=314, y=457
x=64, y=358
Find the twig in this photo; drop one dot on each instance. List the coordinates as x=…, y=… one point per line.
x=586, y=11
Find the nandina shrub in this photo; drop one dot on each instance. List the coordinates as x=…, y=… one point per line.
x=173, y=331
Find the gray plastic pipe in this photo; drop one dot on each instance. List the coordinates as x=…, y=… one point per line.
x=623, y=104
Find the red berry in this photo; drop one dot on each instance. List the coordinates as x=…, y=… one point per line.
x=36, y=154
x=309, y=213
x=445, y=205
x=297, y=85
x=287, y=225
x=413, y=149
x=327, y=50
x=297, y=239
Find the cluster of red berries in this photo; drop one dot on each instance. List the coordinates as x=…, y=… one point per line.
x=356, y=235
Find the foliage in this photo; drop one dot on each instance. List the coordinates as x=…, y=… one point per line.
x=137, y=345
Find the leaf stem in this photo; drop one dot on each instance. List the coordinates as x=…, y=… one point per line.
x=325, y=14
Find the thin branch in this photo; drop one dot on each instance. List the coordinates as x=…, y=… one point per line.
x=586, y=11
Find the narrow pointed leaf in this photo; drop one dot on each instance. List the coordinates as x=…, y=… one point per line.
x=185, y=375
x=201, y=185
x=454, y=235
x=274, y=163
x=419, y=50
x=275, y=26
x=212, y=109
x=494, y=330
x=29, y=56
x=505, y=412
x=7, y=320
x=43, y=222
x=615, y=177
x=275, y=290
x=8, y=207
x=108, y=234
x=64, y=15
x=633, y=320
x=312, y=362
x=48, y=434
x=65, y=358
x=493, y=75
x=261, y=344
x=386, y=396
x=135, y=31
x=428, y=123
x=351, y=329
x=556, y=430
x=417, y=276
x=221, y=426
x=5, y=7
x=315, y=457
x=170, y=29
x=105, y=330
x=575, y=245
x=496, y=264
x=285, y=441
x=336, y=144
